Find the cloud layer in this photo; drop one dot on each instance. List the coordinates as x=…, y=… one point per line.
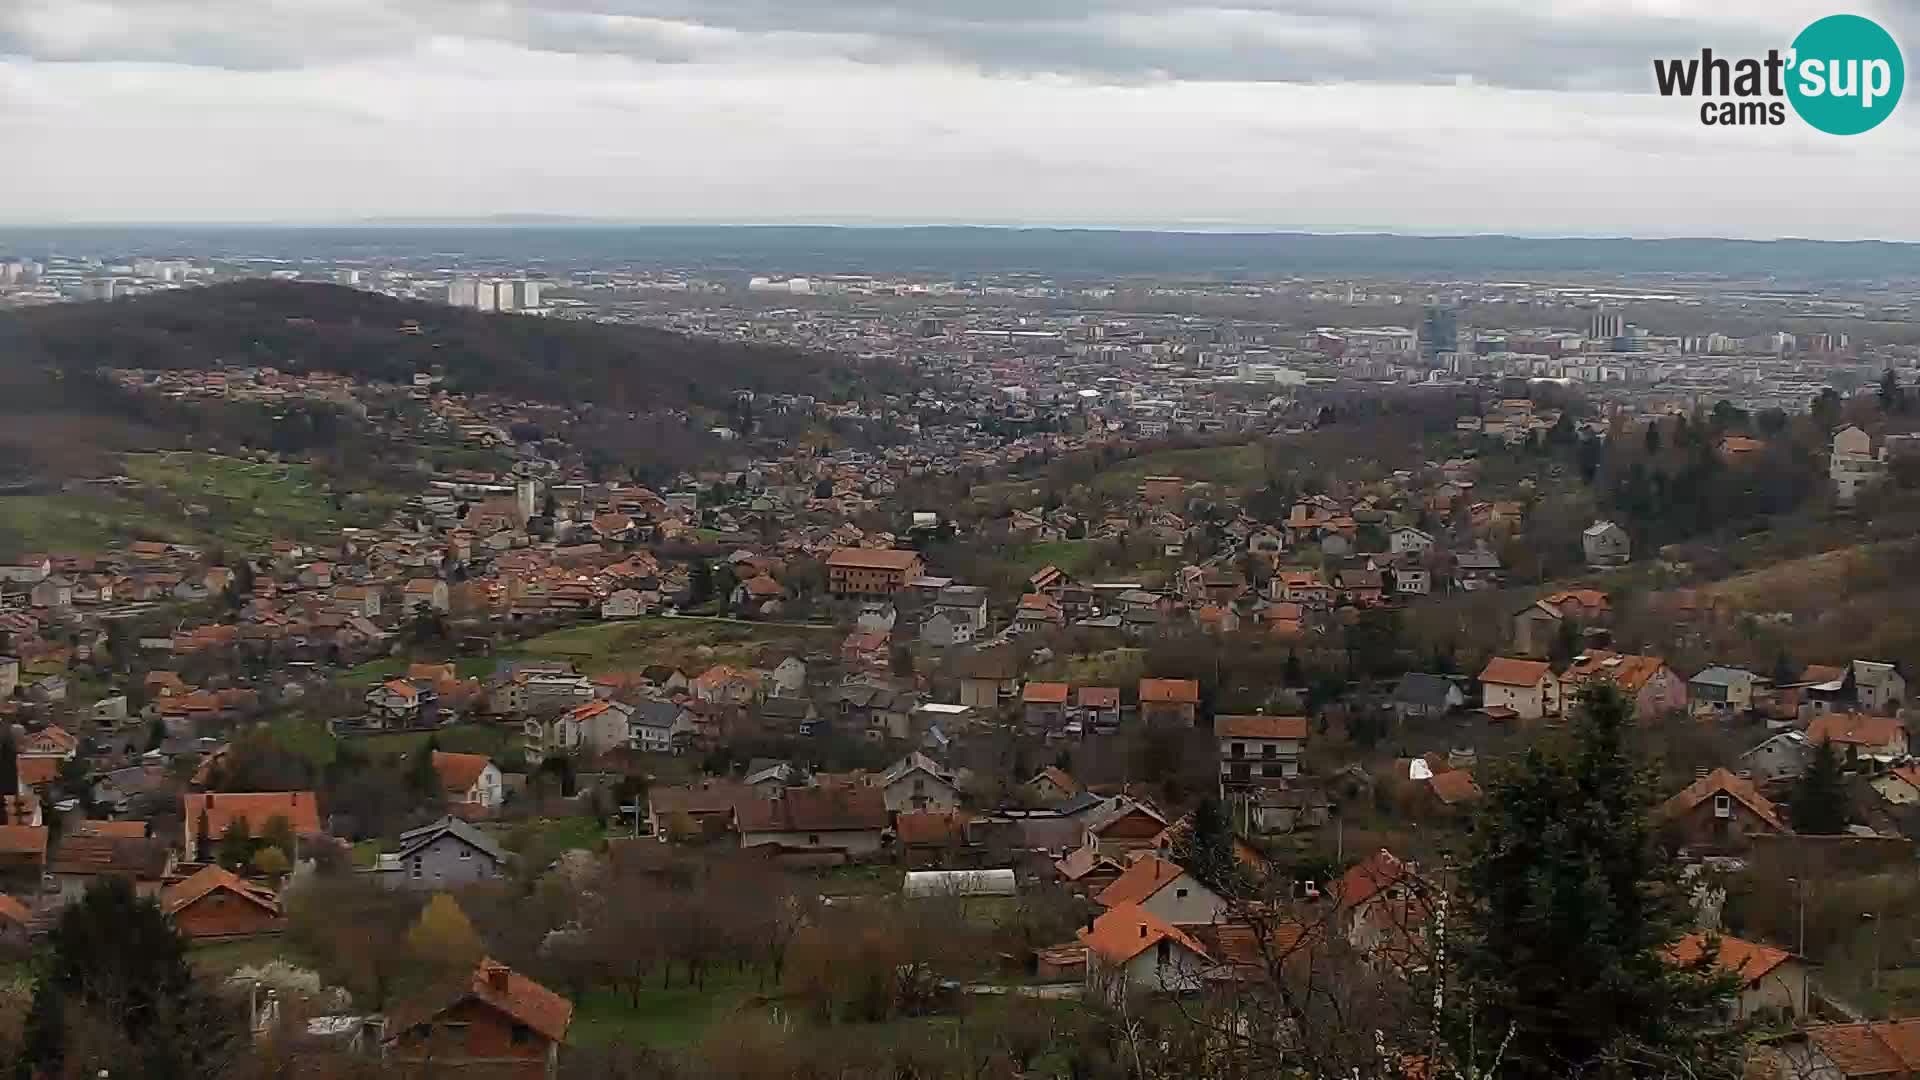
x=1529, y=115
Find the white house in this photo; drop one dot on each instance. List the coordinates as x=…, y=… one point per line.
x=592, y=728
x=472, y=779
x=1606, y=544
x=1527, y=687
x=917, y=782
x=622, y=604
x=1162, y=889
x=1129, y=949
x=946, y=628
x=788, y=677
x=1408, y=540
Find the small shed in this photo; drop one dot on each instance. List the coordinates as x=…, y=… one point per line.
x=921, y=884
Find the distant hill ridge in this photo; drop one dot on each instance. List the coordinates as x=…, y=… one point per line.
x=299, y=326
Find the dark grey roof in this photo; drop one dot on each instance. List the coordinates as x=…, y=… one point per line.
x=1417, y=688
x=785, y=708
x=658, y=714
x=426, y=834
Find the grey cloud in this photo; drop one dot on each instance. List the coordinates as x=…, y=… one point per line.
x=1504, y=43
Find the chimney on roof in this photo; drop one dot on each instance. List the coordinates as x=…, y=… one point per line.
x=1700, y=772
x=498, y=976
x=1143, y=929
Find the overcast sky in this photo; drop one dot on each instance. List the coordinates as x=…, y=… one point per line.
x=1526, y=116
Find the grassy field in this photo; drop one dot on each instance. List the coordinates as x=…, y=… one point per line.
x=490, y=739
x=307, y=737
x=676, y=1017
x=690, y=644
x=84, y=521
x=1236, y=467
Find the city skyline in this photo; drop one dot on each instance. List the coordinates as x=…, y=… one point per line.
x=1396, y=115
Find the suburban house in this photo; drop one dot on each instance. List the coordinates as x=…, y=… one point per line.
x=500, y=1023
x=1645, y=680
x=468, y=779
x=1407, y=540
x=966, y=605
x=723, y=684
x=205, y=817
x=945, y=629
x=430, y=593
x=1606, y=544
x=1125, y=826
x=395, y=703
x=1782, y=757
x=1419, y=694
x=836, y=820
x=1169, y=702
x=445, y=854
x=1773, y=982
x=592, y=728
x=872, y=571
x=1860, y=736
x=52, y=741
x=651, y=725
x=1259, y=750
x=214, y=904
x=1861, y=685
x=1161, y=888
x=917, y=782
x=1052, y=784
x=1100, y=707
x=987, y=678
x=1725, y=690
x=81, y=859
x=1046, y=703
x=1538, y=625
x=1130, y=950
x=1519, y=689
x=1719, y=811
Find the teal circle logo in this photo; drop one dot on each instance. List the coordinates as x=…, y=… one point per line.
x=1846, y=75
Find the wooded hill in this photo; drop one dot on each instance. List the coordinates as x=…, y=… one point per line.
x=310, y=327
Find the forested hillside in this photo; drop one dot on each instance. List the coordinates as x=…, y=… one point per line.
x=310, y=327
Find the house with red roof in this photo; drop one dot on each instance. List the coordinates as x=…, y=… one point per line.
x=1046, y=703
x=1162, y=888
x=468, y=779
x=1259, y=750
x=1515, y=689
x=1719, y=811
x=1169, y=702
x=215, y=904
x=1773, y=981
x=497, y=1022
x=205, y=816
x=1132, y=950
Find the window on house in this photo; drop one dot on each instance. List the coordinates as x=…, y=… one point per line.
x=1239, y=749
x=813, y=839
x=1180, y=894
x=1269, y=750
x=1723, y=806
x=416, y=866
x=1273, y=769
x=466, y=853
x=1165, y=952
x=521, y=1034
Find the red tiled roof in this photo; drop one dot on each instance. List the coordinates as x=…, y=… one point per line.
x=873, y=559
x=929, y=827
x=807, y=810
x=1127, y=931
x=525, y=1001
x=1174, y=691
x=1629, y=671
x=1507, y=671
x=24, y=840
x=1856, y=729
x=1260, y=727
x=300, y=808
x=1869, y=1049
x=1099, y=697
x=216, y=878
x=1371, y=876
x=1747, y=959
x=1046, y=693
x=1722, y=782
x=1140, y=881
x=459, y=772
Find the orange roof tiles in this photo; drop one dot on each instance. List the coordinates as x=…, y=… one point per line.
x=1722, y=782
x=1140, y=881
x=1127, y=931
x=1260, y=727
x=1507, y=671
x=459, y=772
x=1855, y=729
x=1747, y=959
x=1046, y=693
x=1170, y=691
